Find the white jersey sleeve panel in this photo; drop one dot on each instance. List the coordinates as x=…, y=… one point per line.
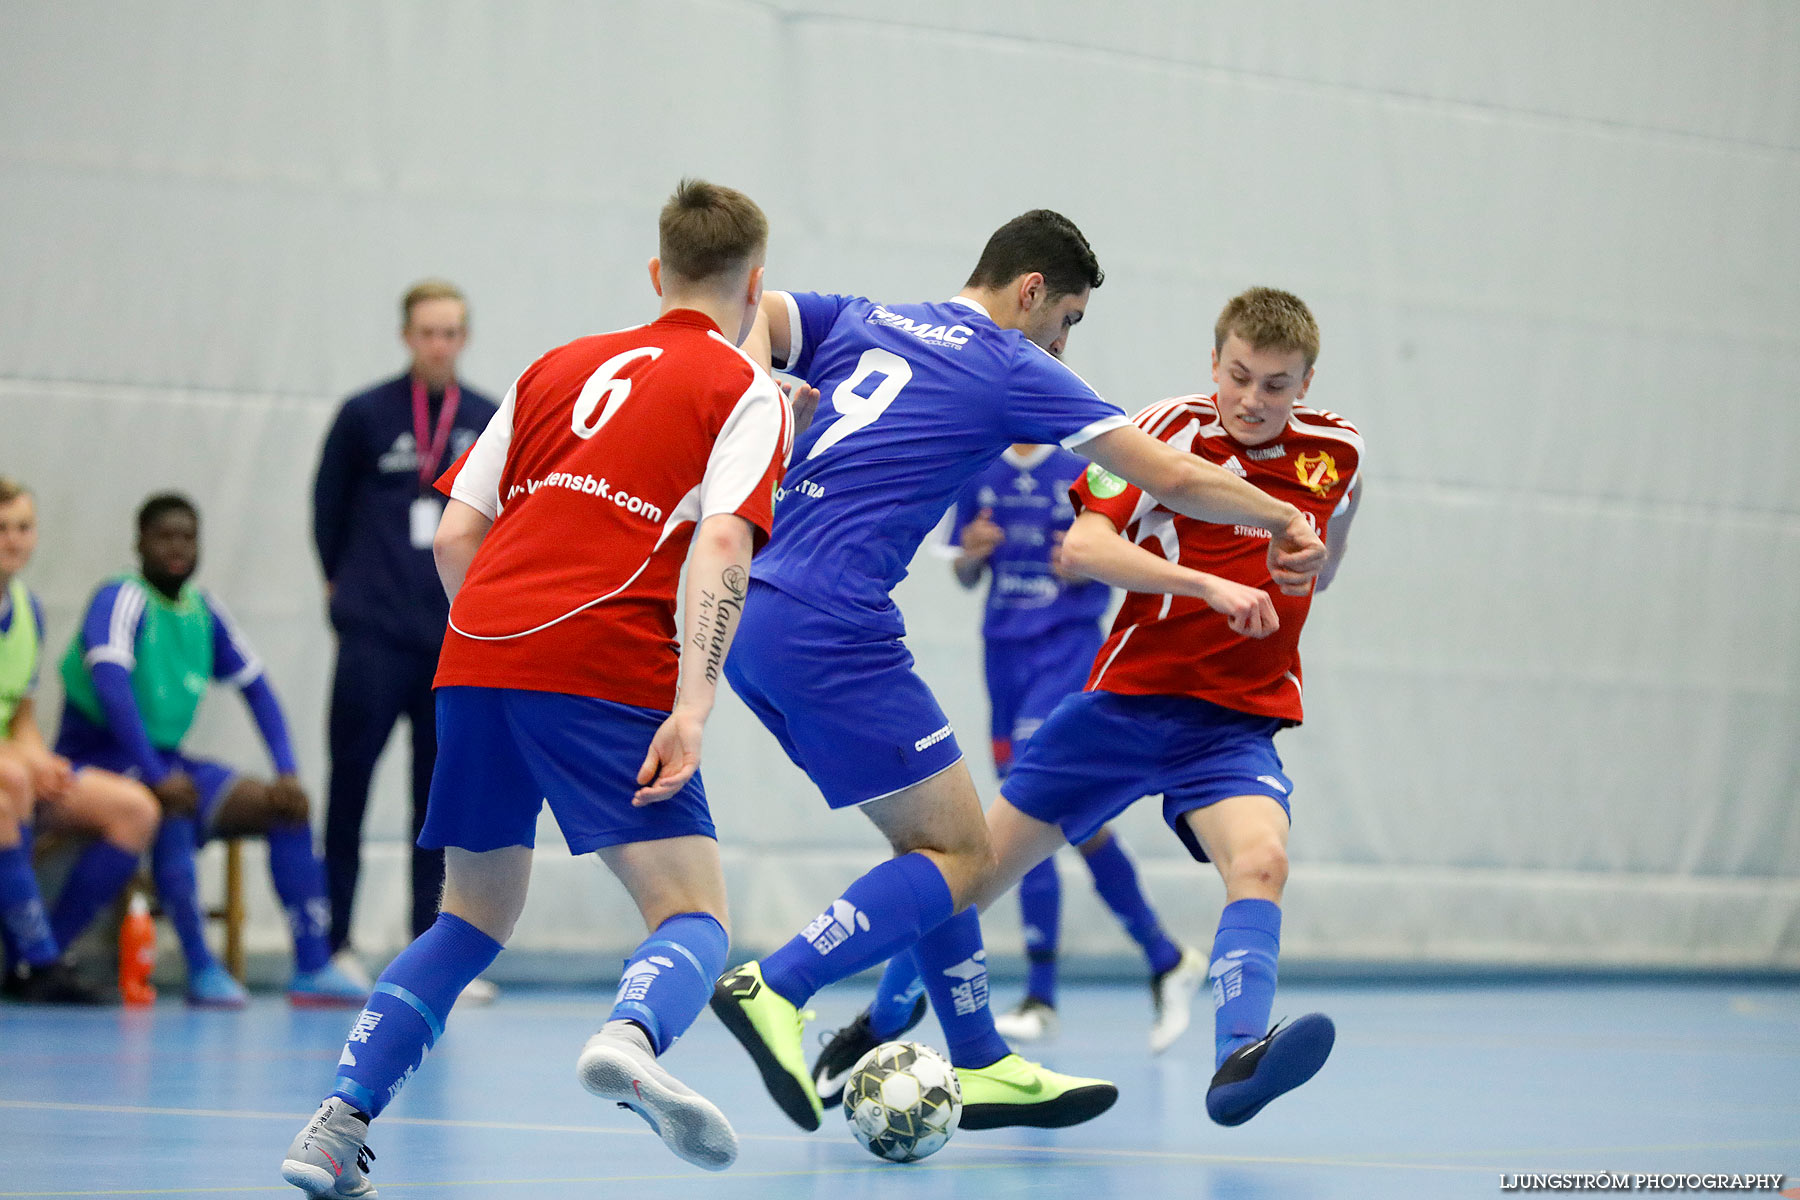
x=478, y=483
x=754, y=434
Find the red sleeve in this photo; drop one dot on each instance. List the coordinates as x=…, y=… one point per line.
x=448, y=478
x=1105, y=493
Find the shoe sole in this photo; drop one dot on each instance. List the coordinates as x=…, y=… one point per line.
x=1071, y=1108
x=789, y=1094
x=689, y=1125
x=1294, y=1057
x=318, y=1184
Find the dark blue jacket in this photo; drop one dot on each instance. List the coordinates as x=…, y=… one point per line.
x=362, y=500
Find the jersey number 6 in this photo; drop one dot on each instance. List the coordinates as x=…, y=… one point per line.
x=602, y=394
x=858, y=401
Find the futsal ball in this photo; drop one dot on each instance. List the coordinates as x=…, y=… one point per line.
x=903, y=1101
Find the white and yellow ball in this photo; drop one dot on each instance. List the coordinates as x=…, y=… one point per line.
x=903, y=1101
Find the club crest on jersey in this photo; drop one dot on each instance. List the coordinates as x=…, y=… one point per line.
x=1317, y=471
x=1103, y=483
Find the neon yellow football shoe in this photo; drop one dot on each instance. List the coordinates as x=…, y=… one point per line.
x=1014, y=1092
x=770, y=1028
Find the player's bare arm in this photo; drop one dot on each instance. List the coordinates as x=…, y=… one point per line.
x=459, y=535
x=770, y=338
x=980, y=537
x=718, y=579
x=1095, y=548
x=1340, y=538
x=1207, y=492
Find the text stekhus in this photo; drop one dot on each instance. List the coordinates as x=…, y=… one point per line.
x=600, y=489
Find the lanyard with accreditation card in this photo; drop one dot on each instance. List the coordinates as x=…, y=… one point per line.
x=423, y=517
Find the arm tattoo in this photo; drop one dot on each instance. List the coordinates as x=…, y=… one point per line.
x=718, y=615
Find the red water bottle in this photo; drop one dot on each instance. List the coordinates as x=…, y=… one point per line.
x=137, y=953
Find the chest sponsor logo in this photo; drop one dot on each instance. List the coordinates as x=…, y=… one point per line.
x=952, y=336
x=1103, y=483
x=1026, y=591
x=403, y=455
x=1265, y=453
x=1317, y=471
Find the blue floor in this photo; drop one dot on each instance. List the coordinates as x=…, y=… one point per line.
x=1433, y=1091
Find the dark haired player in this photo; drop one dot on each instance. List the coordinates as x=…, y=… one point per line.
x=133, y=677
x=916, y=399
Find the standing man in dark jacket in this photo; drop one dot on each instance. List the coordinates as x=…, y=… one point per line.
x=374, y=515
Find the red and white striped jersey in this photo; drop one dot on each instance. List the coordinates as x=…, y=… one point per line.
x=1176, y=645
x=601, y=461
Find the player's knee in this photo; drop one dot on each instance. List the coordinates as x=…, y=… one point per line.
x=132, y=816
x=1260, y=867
x=15, y=788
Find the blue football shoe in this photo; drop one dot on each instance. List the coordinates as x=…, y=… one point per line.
x=326, y=987
x=1279, y=1061
x=213, y=987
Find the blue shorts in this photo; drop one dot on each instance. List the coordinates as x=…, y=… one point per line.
x=503, y=753
x=842, y=699
x=1027, y=678
x=1099, y=752
x=88, y=745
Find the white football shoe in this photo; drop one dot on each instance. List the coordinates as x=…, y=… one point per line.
x=1172, y=994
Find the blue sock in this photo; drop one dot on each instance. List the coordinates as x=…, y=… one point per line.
x=1116, y=879
x=878, y=916
x=895, y=996
x=954, y=966
x=22, y=909
x=1243, y=973
x=1040, y=909
x=172, y=864
x=98, y=876
x=669, y=977
x=300, y=882
x=406, y=1012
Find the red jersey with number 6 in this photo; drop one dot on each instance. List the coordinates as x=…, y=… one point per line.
x=601, y=461
x=1176, y=645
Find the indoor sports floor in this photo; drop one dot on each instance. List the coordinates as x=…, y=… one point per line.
x=1433, y=1091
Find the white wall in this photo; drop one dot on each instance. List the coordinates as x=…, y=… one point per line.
x=1555, y=697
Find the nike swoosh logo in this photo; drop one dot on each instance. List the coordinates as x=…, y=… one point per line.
x=829, y=1083
x=1031, y=1089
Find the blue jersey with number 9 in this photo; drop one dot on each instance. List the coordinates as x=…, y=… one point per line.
x=914, y=399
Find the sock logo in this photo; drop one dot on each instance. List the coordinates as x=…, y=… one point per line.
x=640, y=975
x=347, y=1059
x=366, y=1021
x=833, y=927
x=1227, y=977
x=971, y=995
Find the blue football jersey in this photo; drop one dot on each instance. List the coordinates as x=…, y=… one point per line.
x=915, y=399
x=1029, y=496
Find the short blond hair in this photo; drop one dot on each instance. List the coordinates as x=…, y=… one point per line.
x=11, y=489
x=708, y=230
x=1269, y=319
x=430, y=289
